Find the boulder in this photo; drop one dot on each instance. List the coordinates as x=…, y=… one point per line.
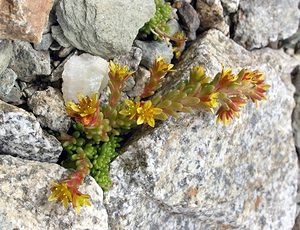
x=25, y=188
x=101, y=27
x=191, y=173
x=260, y=22
x=21, y=135
x=24, y=20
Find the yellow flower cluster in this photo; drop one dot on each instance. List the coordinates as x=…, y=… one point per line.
x=143, y=112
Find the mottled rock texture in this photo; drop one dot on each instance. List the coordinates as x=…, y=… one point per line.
x=22, y=136
x=24, y=192
x=49, y=107
x=191, y=173
x=6, y=52
x=260, y=22
x=29, y=63
x=24, y=19
x=101, y=27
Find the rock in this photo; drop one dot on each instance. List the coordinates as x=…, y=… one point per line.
x=174, y=26
x=189, y=19
x=24, y=20
x=22, y=136
x=153, y=49
x=49, y=108
x=6, y=52
x=211, y=15
x=101, y=27
x=65, y=51
x=131, y=59
x=191, y=173
x=261, y=22
x=57, y=72
x=28, y=63
x=141, y=77
x=58, y=35
x=7, y=81
x=45, y=43
x=85, y=74
x=14, y=96
x=231, y=6
x=24, y=192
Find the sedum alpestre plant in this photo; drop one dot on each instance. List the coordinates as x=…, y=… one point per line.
x=92, y=142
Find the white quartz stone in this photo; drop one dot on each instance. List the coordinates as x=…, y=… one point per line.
x=84, y=74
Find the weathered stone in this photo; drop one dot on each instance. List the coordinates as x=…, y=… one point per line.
x=141, y=77
x=28, y=63
x=49, y=108
x=14, y=96
x=7, y=81
x=131, y=59
x=189, y=19
x=153, y=49
x=6, y=52
x=58, y=35
x=261, y=22
x=174, y=26
x=24, y=19
x=24, y=192
x=57, y=72
x=45, y=43
x=191, y=173
x=231, y=6
x=101, y=27
x=22, y=136
x=211, y=15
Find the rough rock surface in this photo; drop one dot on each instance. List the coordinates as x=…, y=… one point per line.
x=153, y=49
x=24, y=192
x=28, y=63
x=256, y=24
x=7, y=81
x=58, y=35
x=24, y=19
x=45, y=43
x=101, y=27
x=193, y=174
x=22, y=136
x=231, y=5
x=6, y=52
x=131, y=59
x=49, y=108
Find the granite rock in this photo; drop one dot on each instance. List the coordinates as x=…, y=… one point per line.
x=7, y=81
x=24, y=192
x=58, y=35
x=101, y=27
x=49, y=108
x=153, y=49
x=45, y=43
x=6, y=52
x=131, y=59
x=191, y=173
x=212, y=15
x=141, y=76
x=28, y=63
x=22, y=136
x=261, y=22
x=189, y=19
x=14, y=96
x=24, y=19
x=231, y=6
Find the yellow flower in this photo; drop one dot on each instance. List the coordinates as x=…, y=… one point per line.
x=131, y=109
x=161, y=67
x=198, y=75
x=79, y=200
x=146, y=113
x=212, y=100
x=119, y=72
x=227, y=75
x=85, y=110
x=60, y=192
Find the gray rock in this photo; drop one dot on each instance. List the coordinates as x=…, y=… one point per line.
x=58, y=35
x=65, y=51
x=101, y=27
x=57, y=72
x=22, y=136
x=28, y=63
x=14, y=96
x=49, y=108
x=24, y=192
x=211, y=15
x=140, y=77
x=131, y=59
x=261, y=22
x=45, y=43
x=174, y=26
x=153, y=49
x=6, y=52
x=191, y=173
x=231, y=6
x=189, y=19
x=7, y=81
